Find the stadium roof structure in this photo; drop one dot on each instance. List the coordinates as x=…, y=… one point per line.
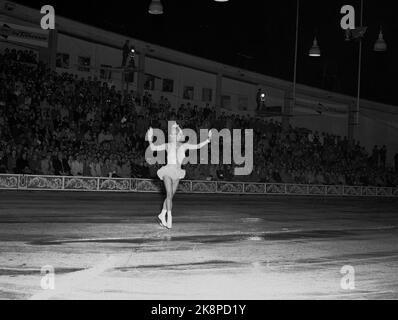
x=259, y=36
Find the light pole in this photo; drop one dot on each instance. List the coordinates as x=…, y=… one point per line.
x=296, y=56
x=290, y=98
x=380, y=46
x=314, y=52
x=355, y=120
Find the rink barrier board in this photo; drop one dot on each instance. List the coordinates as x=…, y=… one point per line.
x=89, y=184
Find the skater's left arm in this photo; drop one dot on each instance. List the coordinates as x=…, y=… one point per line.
x=200, y=145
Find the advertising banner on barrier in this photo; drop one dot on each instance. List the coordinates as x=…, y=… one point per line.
x=23, y=34
x=91, y=184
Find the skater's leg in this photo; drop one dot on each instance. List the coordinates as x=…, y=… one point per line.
x=168, y=184
x=162, y=215
x=169, y=201
x=175, y=186
x=164, y=209
x=167, y=204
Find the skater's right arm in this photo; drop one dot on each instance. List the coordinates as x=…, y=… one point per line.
x=152, y=146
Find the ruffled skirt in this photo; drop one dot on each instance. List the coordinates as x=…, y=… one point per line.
x=172, y=171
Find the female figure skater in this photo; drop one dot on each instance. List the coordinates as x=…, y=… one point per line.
x=171, y=174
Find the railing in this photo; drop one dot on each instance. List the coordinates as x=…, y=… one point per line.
x=86, y=184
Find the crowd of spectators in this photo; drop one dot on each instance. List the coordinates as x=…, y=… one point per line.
x=60, y=124
x=24, y=56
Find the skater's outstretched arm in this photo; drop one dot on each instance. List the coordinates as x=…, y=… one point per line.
x=151, y=145
x=200, y=145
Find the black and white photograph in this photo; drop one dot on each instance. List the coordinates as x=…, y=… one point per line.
x=212, y=150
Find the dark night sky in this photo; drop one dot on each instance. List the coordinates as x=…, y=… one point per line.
x=261, y=29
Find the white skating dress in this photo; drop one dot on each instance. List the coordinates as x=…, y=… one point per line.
x=175, y=158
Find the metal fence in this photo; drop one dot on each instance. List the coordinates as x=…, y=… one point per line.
x=87, y=184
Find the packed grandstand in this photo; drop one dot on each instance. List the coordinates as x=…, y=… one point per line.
x=59, y=124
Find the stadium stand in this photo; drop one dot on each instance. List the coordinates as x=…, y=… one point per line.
x=59, y=124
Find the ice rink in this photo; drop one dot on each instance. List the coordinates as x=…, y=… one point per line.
x=109, y=246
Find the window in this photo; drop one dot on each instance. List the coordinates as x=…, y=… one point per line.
x=243, y=103
x=207, y=95
x=188, y=93
x=226, y=102
x=63, y=60
x=149, y=82
x=168, y=85
x=105, y=72
x=84, y=64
